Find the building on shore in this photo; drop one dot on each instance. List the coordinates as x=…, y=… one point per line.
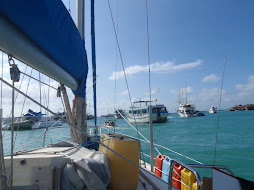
x=242, y=107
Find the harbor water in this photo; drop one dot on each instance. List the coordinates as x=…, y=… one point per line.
x=193, y=137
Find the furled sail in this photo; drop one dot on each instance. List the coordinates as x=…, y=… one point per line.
x=43, y=35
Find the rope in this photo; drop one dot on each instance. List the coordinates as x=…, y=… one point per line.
x=217, y=129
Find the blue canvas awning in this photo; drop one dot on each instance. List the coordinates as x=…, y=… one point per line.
x=48, y=28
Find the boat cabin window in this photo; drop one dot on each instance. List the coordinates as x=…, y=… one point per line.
x=144, y=111
x=130, y=111
x=164, y=109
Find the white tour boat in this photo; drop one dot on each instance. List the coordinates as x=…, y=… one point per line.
x=212, y=110
x=140, y=114
x=187, y=110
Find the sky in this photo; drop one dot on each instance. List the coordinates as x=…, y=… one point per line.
x=188, y=43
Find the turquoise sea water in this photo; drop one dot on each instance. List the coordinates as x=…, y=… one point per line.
x=192, y=137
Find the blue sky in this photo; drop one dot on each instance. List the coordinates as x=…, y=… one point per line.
x=188, y=43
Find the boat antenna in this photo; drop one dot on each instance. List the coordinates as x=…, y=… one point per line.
x=217, y=129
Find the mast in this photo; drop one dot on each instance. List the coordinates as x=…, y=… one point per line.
x=179, y=96
x=79, y=105
x=80, y=17
x=186, y=94
x=93, y=60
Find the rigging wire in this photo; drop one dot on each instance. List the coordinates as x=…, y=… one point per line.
x=120, y=54
x=46, y=129
x=217, y=129
x=22, y=108
x=38, y=80
x=44, y=96
x=1, y=82
x=10, y=182
x=38, y=136
x=170, y=150
x=2, y=165
x=19, y=88
x=148, y=53
x=30, y=76
x=121, y=58
x=150, y=91
x=116, y=56
x=16, y=94
x=135, y=128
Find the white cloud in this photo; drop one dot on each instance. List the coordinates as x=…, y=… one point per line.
x=247, y=87
x=125, y=92
x=156, y=67
x=209, y=97
x=211, y=78
x=153, y=91
x=183, y=91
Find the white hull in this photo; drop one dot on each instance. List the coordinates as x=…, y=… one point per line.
x=44, y=124
x=212, y=110
x=186, y=110
x=186, y=115
x=145, y=118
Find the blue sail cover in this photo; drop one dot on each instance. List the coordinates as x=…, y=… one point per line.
x=50, y=26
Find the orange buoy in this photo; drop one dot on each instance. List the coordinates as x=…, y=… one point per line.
x=158, y=164
x=176, y=179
